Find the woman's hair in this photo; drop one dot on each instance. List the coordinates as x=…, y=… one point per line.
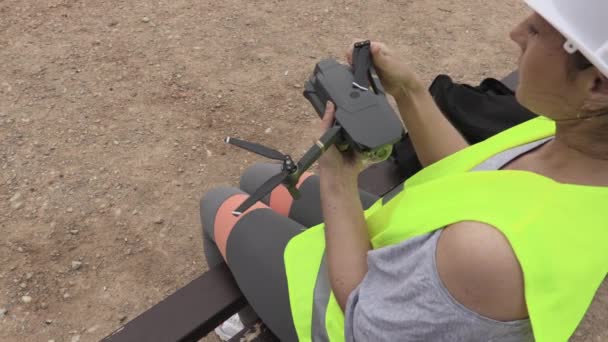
x=598, y=103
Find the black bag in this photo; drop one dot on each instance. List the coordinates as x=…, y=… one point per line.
x=477, y=113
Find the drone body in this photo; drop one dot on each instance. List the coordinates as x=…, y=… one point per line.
x=365, y=121
x=368, y=121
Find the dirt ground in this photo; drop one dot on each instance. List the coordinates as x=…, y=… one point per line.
x=112, y=115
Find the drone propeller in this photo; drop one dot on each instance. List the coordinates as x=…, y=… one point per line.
x=291, y=172
x=262, y=191
x=362, y=62
x=256, y=148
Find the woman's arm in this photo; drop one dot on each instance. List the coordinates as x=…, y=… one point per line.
x=346, y=238
x=433, y=136
x=347, y=242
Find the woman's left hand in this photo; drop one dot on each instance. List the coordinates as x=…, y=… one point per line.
x=344, y=166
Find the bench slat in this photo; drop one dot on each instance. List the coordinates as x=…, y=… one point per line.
x=188, y=314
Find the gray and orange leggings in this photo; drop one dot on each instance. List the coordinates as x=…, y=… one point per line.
x=252, y=244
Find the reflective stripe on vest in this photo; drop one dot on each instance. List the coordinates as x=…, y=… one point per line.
x=557, y=231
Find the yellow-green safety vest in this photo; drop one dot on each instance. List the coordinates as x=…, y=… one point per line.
x=559, y=233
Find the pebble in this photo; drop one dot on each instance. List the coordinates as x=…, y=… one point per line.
x=93, y=329
x=76, y=265
x=145, y=19
x=51, y=340
x=29, y=275
x=159, y=220
x=75, y=338
x=26, y=299
x=48, y=321
x=20, y=249
x=122, y=318
x=15, y=197
x=74, y=231
x=268, y=130
x=3, y=312
x=23, y=285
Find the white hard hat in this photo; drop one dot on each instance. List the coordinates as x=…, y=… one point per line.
x=584, y=24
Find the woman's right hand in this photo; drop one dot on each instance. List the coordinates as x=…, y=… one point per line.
x=397, y=77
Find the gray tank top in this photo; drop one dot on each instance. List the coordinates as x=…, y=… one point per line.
x=402, y=297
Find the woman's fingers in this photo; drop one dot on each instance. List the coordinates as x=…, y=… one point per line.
x=328, y=116
x=381, y=53
x=349, y=55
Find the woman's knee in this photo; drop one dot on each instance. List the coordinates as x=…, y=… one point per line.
x=257, y=174
x=210, y=204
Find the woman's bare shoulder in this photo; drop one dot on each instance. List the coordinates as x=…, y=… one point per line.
x=480, y=270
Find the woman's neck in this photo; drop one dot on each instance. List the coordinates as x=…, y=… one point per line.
x=583, y=140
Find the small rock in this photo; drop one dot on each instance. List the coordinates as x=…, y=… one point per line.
x=159, y=220
x=26, y=299
x=70, y=210
x=75, y=338
x=20, y=249
x=29, y=275
x=145, y=19
x=49, y=321
x=15, y=197
x=44, y=306
x=17, y=205
x=76, y=265
x=297, y=86
x=268, y=130
x=51, y=341
x=23, y=285
x=74, y=231
x=3, y=312
x=122, y=318
x=93, y=329
x=66, y=295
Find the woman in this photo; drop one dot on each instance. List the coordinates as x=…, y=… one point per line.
x=501, y=241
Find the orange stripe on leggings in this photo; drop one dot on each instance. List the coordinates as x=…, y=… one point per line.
x=225, y=221
x=280, y=198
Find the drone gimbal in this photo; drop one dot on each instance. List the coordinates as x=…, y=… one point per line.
x=365, y=121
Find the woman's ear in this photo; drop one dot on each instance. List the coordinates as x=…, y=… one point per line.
x=601, y=84
x=597, y=102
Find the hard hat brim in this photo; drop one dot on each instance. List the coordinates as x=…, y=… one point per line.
x=550, y=12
